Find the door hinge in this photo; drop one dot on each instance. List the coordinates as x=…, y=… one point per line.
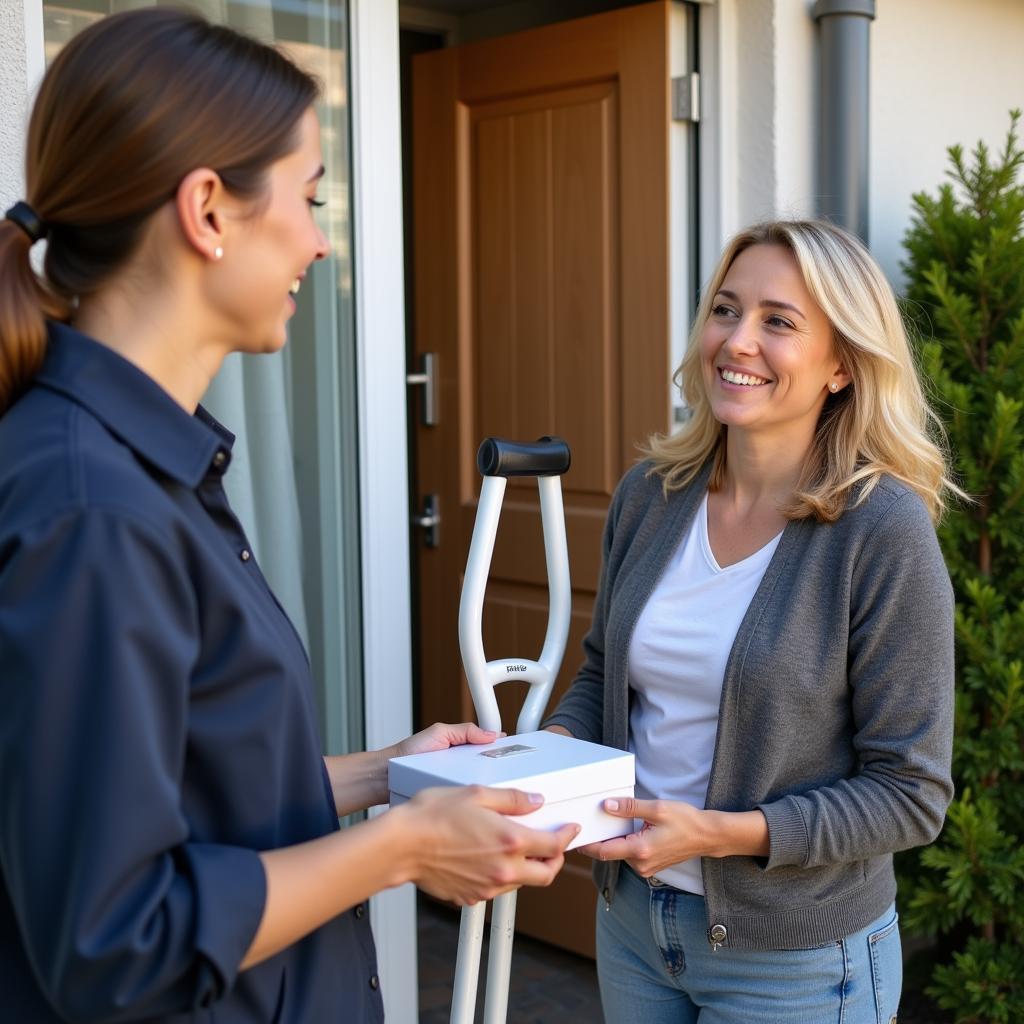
x=686, y=97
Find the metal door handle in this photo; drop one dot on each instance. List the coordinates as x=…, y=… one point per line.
x=430, y=520
x=427, y=377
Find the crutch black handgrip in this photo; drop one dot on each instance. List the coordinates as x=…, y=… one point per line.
x=548, y=456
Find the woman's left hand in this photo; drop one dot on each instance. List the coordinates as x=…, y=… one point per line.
x=671, y=832
x=440, y=736
x=674, y=831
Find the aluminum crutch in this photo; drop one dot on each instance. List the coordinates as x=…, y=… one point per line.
x=546, y=459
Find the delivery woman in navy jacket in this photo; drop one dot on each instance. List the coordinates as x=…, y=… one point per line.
x=169, y=843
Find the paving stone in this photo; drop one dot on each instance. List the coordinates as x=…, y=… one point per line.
x=547, y=985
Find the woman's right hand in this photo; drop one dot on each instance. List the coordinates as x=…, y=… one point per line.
x=465, y=850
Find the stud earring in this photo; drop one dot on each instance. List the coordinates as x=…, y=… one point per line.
x=218, y=253
x=833, y=387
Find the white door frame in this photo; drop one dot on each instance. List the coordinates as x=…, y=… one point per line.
x=380, y=346
x=383, y=457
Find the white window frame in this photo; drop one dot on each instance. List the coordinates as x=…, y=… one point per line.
x=383, y=457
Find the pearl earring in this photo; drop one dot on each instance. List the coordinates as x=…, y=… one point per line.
x=833, y=387
x=218, y=253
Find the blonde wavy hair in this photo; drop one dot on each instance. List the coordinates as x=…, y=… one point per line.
x=880, y=423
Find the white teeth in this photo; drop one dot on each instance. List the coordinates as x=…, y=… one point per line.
x=295, y=286
x=742, y=378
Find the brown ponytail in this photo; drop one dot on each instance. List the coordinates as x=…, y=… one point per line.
x=22, y=311
x=127, y=109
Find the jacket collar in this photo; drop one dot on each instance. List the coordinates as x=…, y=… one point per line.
x=132, y=406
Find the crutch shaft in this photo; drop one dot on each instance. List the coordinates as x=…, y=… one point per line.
x=467, y=964
x=556, y=556
x=499, y=958
x=471, y=607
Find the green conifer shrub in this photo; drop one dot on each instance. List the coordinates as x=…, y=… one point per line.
x=965, y=295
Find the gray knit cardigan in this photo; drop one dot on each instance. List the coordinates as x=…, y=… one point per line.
x=836, y=717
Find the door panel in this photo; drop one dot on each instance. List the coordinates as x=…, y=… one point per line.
x=541, y=280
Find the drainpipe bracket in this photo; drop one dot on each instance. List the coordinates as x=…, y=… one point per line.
x=827, y=8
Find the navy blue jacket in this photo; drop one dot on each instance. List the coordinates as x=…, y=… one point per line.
x=157, y=723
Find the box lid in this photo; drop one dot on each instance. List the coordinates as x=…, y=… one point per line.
x=557, y=766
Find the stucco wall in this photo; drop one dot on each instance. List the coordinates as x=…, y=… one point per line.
x=12, y=89
x=21, y=64
x=758, y=112
x=756, y=125
x=760, y=115
x=796, y=64
x=942, y=71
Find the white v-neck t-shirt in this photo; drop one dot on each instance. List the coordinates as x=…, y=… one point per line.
x=677, y=661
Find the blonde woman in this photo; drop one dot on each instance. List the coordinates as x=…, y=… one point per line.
x=773, y=639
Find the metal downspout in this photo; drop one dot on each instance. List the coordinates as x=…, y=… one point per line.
x=844, y=118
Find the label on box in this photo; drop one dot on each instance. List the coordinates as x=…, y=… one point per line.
x=516, y=748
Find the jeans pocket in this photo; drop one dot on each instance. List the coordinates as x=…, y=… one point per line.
x=831, y=944
x=886, y=952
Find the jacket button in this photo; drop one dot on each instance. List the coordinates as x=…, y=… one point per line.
x=718, y=934
x=220, y=459
x=606, y=893
x=244, y=554
x=360, y=910
x=374, y=982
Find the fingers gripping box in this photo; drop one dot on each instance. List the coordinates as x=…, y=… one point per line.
x=573, y=776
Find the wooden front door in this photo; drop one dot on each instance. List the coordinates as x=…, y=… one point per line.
x=541, y=247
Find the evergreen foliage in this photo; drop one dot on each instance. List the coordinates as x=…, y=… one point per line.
x=965, y=292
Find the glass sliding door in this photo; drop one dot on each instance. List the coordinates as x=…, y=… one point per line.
x=294, y=478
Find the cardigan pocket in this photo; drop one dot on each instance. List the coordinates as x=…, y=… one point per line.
x=791, y=887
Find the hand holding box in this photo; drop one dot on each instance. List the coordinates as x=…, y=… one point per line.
x=574, y=777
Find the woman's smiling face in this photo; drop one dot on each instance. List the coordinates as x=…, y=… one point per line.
x=269, y=251
x=767, y=353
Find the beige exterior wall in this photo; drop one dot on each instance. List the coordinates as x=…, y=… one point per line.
x=759, y=119
x=21, y=64
x=942, y=71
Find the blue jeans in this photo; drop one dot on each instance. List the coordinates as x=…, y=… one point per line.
x=656, y=966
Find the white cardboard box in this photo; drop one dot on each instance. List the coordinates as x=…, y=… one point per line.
x=573, y=775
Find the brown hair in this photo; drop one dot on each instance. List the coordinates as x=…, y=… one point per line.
x=127, y=109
